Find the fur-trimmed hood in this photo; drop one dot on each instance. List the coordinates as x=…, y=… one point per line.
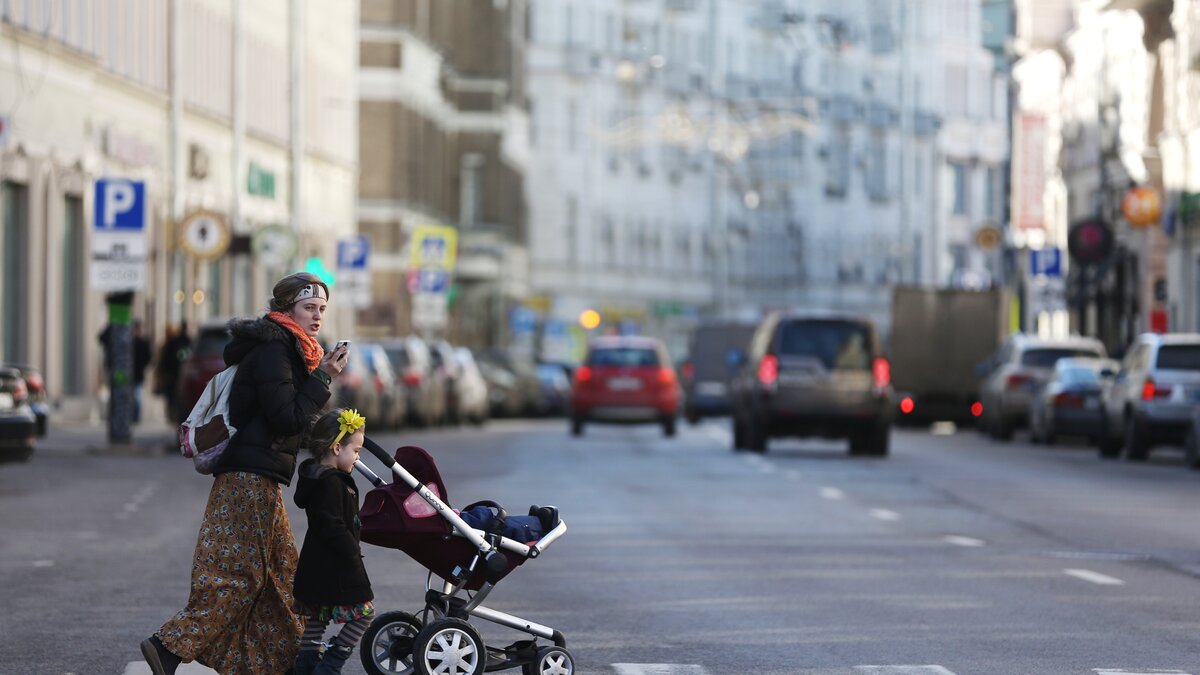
x=249, y=333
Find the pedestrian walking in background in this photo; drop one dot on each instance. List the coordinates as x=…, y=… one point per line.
x=239, y=616
x=142, y=354
x=174, y=352
x=331, y=581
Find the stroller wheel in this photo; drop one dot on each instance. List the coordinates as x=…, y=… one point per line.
x=449, y=647
x=387, y=646
x=550, y=661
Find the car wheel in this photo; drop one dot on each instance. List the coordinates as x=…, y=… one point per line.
x=576, y=426
x=1004, y=430
x=756, y=437
x=1106, y=446
x=668, y=427
x=1191, y=449
x=23, y=454
x=1136, y=447
x=739, y=435
x=871, y=443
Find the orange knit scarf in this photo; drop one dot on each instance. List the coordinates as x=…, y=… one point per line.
x=308, y=344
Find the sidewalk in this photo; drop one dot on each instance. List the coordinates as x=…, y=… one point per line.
x=152, y=437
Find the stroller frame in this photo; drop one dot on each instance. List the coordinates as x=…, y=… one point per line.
x=446, y=603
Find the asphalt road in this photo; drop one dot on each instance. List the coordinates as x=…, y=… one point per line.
x=956, y=554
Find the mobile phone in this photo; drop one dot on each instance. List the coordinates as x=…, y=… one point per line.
x=340, y=343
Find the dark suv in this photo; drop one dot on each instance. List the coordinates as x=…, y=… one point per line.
x=813, y=376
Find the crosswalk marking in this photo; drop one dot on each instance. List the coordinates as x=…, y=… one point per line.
x=658, y=669
x=959, y=540
x=903, y=670
x=885, y=514
x=1094, y=577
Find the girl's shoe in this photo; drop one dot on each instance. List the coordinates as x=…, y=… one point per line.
x=333, y=660
x=162, y=661
x=306, y=662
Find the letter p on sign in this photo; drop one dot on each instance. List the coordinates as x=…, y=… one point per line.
x=120, y=204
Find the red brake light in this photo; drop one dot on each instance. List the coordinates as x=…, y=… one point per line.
x=977, y=409
x=413, y=378
x=379, y=384
x=21, y=391
x=35, y=382
x=689, y=370
x=666, y=376
x=768, y=369
x=583, y=374
x=1017, y=380
x=1150, y=391
x=907, y=405
x=882, y=371
x=1068, y=399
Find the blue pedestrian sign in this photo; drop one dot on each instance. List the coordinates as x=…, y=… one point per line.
x=1046, y=262
x=120, y=205
x=352, y=253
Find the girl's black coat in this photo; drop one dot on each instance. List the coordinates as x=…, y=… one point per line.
x=331, y=570
x=273, y=397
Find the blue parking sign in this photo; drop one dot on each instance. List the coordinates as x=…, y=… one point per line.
x=120, y=205
x=1045, y=262
x=352, y=252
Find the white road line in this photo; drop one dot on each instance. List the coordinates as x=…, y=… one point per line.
x=43, y=563
x=958, y=540
x=1140, y=671
x=904, y=670
x=143, y=668
x=1094, y=577
x=884, y=514
x=832, y=493
x=658, y=669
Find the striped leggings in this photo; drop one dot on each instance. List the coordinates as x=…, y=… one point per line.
x=347, y=637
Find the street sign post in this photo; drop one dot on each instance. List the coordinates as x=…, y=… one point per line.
x=119, y=235
x=205, y=235
x=433, y=253
x=1046, y=262
x=354, y=282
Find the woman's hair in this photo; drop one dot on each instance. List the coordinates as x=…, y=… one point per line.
x=283, y=296
x=322, y=433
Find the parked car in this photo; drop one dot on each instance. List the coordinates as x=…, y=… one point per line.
x=504, y=391
x=626, y=379
x=207, y=358
x=358, y=386
x=554, y=395
x=1017, y=371
x=392, y=393
x=38, y=401
x=1071, y=401
x=713, y=359
x=814, y=375
x=529, y=387
x=1192, y=444
x=473, y=404
x=445, y=364
x=411, y=360
x=1152, y=399
x=18, y=424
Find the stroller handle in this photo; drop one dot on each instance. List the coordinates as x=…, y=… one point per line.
x=380, y=454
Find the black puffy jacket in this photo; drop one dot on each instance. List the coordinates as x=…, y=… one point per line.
x=273, y=398
x=330, y=571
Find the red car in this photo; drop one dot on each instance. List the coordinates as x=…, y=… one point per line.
x=625, y=380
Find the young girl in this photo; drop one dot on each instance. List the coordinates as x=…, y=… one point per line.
x=331, y=583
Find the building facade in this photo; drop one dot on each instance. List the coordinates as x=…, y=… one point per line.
x=444, y=142
x=242, y=110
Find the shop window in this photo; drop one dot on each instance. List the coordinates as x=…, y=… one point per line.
x=74, y=295
x=14, y=290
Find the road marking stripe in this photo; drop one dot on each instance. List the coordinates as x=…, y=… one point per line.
x=958, y=540
x=884, y=514
x=658, y=669
x=43, y=563
x=904, y=670
x=1094, y=577
x=832, y=493
x=1121, y=671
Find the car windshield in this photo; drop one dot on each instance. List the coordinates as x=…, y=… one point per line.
x=838, y=345
x=398, y=356
x=211, y=342
x=1179, y=357
x=628, y=357
x=1046, y=358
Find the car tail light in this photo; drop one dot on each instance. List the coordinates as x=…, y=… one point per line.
x=666, y=376
x=1150, y=391
x=1018, y=381
x=354, y=380
x=378, y=384
x=35, y=382
x=768, y=369
x=21, y=391
x=689, y=370
x=583, y=374
x=907, y=405
x=977, y=409
x=1068, y=399
x=882, y=372
x=413, y=378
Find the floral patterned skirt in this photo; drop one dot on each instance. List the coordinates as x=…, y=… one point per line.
x=239, y=616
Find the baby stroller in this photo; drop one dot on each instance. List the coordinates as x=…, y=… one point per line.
x=412, y=514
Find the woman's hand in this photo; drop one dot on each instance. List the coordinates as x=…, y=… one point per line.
x=334, y=361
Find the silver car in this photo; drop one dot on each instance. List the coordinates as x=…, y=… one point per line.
x=1018, y=371
x=1152, y=399
x=1071, y=401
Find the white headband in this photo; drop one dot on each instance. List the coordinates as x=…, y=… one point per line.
x=311, y=291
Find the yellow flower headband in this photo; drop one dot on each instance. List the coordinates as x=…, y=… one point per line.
x=351, y=422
